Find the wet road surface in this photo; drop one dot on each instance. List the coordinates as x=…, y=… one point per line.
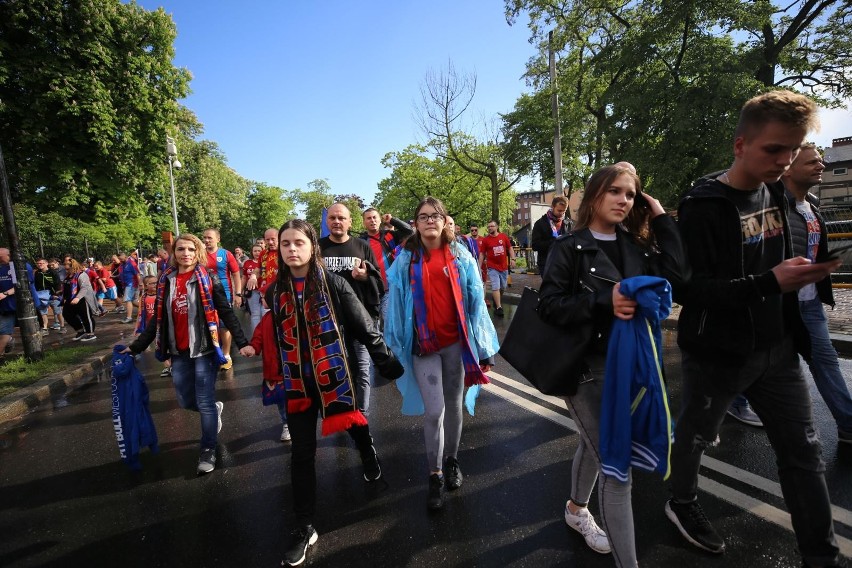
x=66, y=499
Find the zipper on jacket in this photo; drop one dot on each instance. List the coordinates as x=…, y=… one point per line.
x=602, y=278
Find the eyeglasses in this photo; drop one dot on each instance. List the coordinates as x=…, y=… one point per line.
x=434, y=217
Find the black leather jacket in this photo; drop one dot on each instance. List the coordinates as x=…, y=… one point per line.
x=576, y=291
x=354, y=322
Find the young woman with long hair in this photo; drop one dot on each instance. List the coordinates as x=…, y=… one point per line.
x=185, y=325
x=79, y=302
x=438, y=325
x=311, y=308
x=620, y=232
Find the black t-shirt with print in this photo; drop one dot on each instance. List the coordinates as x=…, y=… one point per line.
x=762, y=224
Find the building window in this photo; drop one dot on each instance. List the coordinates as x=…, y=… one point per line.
x=839, y=171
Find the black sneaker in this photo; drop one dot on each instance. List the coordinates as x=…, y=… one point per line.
x=88, y=337
x=498, y=312
x=300, y=540
x=372, y=467
x=207, y=461
x=79, y=336
x=693, y=524
x=436, y=492
x=453, y=473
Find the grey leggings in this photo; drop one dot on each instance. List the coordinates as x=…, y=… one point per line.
x=440, y=377
x=613, y=495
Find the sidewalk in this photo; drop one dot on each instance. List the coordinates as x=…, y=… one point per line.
x=109, y=331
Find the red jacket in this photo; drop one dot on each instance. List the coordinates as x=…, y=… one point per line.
x=264, y=342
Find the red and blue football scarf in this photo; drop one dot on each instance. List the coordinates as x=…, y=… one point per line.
x=331, y=382
x=426, y=338
x=205, y=285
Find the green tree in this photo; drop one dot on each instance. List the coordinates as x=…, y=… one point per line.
x=87, y=91
x=661, y=83
x=317, y=197
x=416, y=173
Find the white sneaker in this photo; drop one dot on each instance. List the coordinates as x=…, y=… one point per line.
x=285, y=434
x=219, y=407
x=584, y=523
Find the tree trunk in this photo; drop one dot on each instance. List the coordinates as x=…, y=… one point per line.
x=26, y=312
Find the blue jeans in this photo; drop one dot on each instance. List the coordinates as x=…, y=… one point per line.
x=775, y=386
x=256, y=310
x=824, y=365
x=195, y=385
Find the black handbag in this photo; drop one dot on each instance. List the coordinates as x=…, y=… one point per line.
x=548, y=356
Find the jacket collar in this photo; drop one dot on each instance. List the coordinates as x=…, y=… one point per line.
x=633, y=256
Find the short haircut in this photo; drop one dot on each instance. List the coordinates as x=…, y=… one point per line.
x=559, y=200
x=218, y=235
x=149, y=278
x=368, y=209
x=789, y=108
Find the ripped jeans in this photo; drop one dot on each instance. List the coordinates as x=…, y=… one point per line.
x=775, y=386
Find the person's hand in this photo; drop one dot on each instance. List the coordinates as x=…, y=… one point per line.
x=485, y=367
x=653, y=204
x=797, y=272
x=125, y=350
x=360, y=270
x=75, y=300
x=386, y=218
x=622, y=306
x=251, y=283
x=247, y=351
x=238, y=300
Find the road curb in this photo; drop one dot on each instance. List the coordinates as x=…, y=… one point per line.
x=29, y=398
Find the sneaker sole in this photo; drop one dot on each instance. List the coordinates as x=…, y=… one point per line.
x=311, y=541
x=608, y=550
x=204, y=470
x=673, y=518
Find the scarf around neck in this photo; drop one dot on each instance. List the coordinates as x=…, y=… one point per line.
x=331, y=383
x=555, y=224
x=426, y=338
x=211, y=317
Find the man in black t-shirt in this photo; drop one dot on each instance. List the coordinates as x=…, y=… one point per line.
x=740, y=330
x=353, y=259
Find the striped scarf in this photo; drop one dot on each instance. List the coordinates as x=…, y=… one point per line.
x=205, y=286
x=331, y=381
x=426, y=338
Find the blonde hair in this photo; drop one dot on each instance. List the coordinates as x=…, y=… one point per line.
x=199, y=249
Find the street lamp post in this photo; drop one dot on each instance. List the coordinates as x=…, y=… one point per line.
x=171, y=150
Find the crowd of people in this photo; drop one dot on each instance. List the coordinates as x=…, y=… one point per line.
x=747, y=258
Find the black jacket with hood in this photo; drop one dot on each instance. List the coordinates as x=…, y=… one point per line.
x=717, y=319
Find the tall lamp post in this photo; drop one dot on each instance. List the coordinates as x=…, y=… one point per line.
x=174, y=163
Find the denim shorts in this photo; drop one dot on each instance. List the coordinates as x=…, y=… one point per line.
x=129, y=293
x=498, y=278
x=7, y=324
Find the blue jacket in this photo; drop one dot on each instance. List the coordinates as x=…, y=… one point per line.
x=399, y=320
x=635, y=426
x=131, y=418
x=8, y=280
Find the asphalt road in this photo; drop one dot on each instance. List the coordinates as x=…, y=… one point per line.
x=66, y=499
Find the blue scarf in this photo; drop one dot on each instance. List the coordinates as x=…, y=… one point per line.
x=426, y=339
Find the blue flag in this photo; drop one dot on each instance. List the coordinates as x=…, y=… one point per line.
x=324, y=232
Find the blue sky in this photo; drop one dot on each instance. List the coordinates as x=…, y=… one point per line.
x=293, y=90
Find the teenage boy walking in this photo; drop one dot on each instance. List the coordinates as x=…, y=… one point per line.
x=740, y=330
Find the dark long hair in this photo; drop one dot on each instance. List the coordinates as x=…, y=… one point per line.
x=415, y=242
x=637, y=219
x=312, y=280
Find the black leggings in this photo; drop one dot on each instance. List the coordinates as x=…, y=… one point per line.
x=303, y=473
